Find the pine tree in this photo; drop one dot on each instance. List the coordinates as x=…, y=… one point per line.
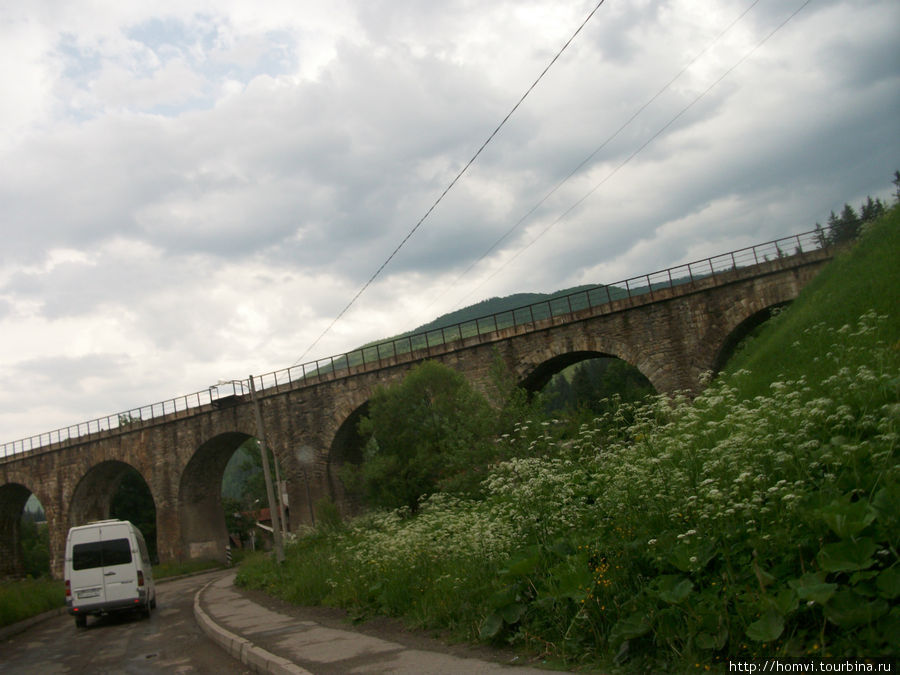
x=871, y=210
x=845, y=227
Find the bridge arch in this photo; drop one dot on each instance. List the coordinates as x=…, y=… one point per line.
x=347, y=447
x=544, y=372
x=12, y=503
x=535, y=373
x=733, y=340
x=93, y=495
x=204, y=534
x=739, y=319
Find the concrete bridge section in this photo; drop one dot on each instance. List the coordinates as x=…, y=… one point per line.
x=672, y=332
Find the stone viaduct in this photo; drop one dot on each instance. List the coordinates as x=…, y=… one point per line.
x=672, y=332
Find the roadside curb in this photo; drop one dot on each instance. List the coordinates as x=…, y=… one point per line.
x=255, y=658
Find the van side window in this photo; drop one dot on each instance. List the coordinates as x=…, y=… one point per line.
x=145, y=555
x=101, y=554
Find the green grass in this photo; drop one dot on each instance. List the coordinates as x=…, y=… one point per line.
x=759, y=520
x=20, y=600
x=176, y=569
x=862, y=279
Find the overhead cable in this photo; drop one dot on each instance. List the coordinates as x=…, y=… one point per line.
x=450, y=186
x=587, y=159
x=644, y=145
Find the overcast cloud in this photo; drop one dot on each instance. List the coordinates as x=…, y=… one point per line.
x=193, y=190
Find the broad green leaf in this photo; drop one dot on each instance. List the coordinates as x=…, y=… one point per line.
x=691, y=558
x=491, y=626
x=672, y=588
x=785, y=601
x=888, y=583
x=847, y=519
x=512, y=613
x=813, y=587
x=573, y=578
x=525, y=565
x=630, y=627
x=847, y=556
x=768, y=628
x=847, y=608
x=887, y=502
x=706, y=640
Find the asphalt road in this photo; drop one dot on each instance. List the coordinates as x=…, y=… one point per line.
x=168, y=642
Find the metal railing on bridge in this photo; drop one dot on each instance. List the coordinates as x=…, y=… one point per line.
x=333, y=367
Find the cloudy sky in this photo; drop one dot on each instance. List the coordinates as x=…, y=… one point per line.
x=193, y=190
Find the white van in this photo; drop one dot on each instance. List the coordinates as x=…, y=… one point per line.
x=107, y=569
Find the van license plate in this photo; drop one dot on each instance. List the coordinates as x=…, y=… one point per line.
x=93, y=593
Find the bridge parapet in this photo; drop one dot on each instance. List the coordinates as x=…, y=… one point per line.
x=793, y=251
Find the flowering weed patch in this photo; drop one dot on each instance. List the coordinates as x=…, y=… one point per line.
x=752, y=521
x=703, y=530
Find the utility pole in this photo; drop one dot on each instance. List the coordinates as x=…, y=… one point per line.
x=273, y=504
x=282, y=495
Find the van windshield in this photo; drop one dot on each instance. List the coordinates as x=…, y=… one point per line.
x=101, y=554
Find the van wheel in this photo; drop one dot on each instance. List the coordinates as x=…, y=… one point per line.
x=153, y=603
x=81, y=621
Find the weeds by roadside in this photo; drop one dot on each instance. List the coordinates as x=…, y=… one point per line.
x=759, y=520
x=25, y=598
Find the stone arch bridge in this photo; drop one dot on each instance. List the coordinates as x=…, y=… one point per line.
x=672, y=325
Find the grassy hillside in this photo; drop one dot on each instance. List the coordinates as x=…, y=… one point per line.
x=859, y=280
x=760, y=520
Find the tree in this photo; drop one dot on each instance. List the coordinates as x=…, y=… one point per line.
x=236, y=522
x=243, y=479
x=428, y=432
x=843, y=228
x=896, y=183
x=871, y=210
x=821, y=237
x=133, y=501
x=594, y=382
x=35, y=539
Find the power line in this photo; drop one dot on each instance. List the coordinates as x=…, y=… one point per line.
x=450, y=186
x=628, y=159
x=587, y=159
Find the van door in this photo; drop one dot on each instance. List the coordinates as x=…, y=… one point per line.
x=119, y=570
x=87, y=569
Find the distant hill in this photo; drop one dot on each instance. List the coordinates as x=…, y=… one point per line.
x=497, y=305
